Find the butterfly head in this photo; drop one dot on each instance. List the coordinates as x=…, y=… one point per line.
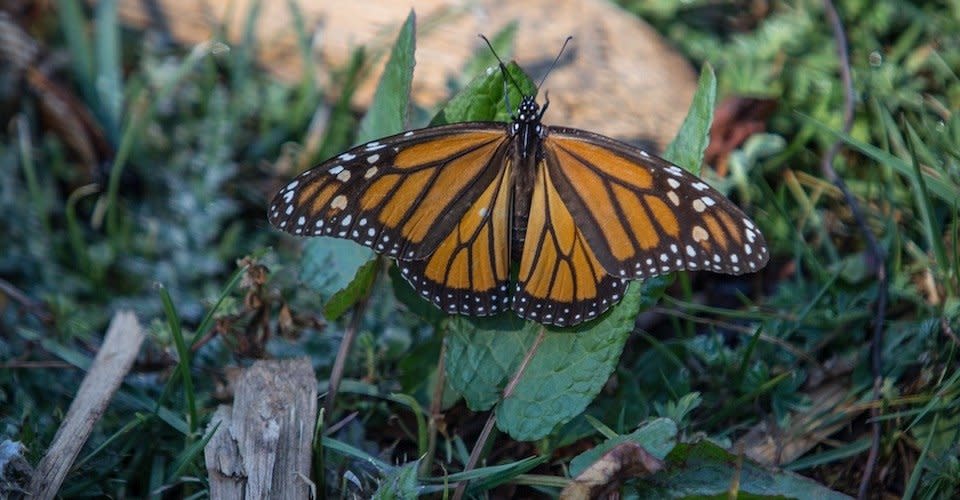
x=528, y=111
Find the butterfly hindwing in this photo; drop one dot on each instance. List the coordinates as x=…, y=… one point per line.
x=399, y=195
x=644, y=216
x=560, y=280
x=469, y=271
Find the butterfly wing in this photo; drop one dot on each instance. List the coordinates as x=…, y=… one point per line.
x=644, y=216
x=560, y=280
x=469, y=271
x=401, y=195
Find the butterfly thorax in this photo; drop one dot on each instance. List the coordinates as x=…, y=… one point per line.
x=528, y=134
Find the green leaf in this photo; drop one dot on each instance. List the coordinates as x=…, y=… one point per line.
x=482, y=354
x=705, y=469
x=483, y=98
x=657, y=437
x=74, y=25
x=483, y=479
x=329, y=265
x=571, y=366
x=388, y=111
x=399, y=483
x=688, y=147
x=108, y=82
x=358, y=288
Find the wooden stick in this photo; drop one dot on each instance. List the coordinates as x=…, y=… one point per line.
x=113, y=361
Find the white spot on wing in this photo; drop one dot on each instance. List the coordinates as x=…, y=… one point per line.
x=700, y=234
x=673, y=198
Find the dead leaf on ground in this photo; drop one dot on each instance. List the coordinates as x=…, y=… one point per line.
x=736, y=119
x=605, y=476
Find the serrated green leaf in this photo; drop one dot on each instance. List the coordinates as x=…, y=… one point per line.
x=483, y=98
x=358, y=288
x=657, y=437
x=571, y=366
x=705, y=469
x=688, y=147
x=399, y=483
x=482, y=354
x=388, y=110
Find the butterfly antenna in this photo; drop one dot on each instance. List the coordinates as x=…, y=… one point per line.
x=503, y=67
x=555, y=61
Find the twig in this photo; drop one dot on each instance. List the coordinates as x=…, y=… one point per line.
x=436, y=405
x=35, y=307
x=336, y=374
x=876, y=254
x=111, y=364
x=491, y=419
x=330, y=431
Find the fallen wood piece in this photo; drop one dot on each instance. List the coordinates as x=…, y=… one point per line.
x=263, y=443
x=117, y=354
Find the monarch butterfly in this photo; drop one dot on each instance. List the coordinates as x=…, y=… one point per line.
x=458, y=206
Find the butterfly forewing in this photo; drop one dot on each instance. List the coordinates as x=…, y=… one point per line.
x=400, y=195
x=644, y=216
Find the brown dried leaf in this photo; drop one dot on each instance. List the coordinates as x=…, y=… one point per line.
x=735, y=120
x=605, y=476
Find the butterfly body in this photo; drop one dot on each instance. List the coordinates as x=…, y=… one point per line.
x=547, y=221
x=528, y=134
